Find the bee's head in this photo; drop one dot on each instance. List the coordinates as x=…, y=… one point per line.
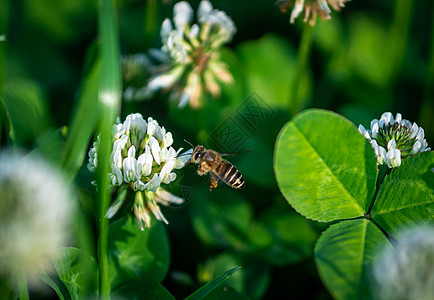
x=197, y=153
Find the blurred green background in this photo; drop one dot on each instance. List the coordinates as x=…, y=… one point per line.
x=373, y=56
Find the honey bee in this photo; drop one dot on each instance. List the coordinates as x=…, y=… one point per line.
x=212, y=162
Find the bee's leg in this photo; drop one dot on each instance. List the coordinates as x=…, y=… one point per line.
x=201, y=170
x=213, y=182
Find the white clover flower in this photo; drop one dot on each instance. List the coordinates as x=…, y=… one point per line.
x=406, y=270
x=35, y=215
x=142, y=159
x=394, y=139
x=194, y=66
x=311, y=8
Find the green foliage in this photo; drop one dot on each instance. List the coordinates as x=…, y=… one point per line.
x=324, y=167
x=210, y=286
x=135, y=254
x=26, y=110
x=137, y=289
x=221, y=222
x=271, y=75
x=327, y=171
x=71, y=265
x=83, y=122
x=282, y=237
x=406, y=197
x=58, y=62
x=343, y=255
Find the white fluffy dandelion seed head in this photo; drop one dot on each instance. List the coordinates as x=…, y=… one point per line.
x=35, y=214
x=395, y=139
x=405, y=271
x=142, y=159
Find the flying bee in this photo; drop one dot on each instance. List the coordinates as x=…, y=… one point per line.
x=212, y=162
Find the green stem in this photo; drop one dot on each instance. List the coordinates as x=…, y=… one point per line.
x=388, y=236
x=398, y=36
x=383, y=173
x=109, y=101
x=23, y=292
x=427, y=109
x=151, y=13
x=295, y=101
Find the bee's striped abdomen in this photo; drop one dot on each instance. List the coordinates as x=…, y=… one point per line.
x=230, y=175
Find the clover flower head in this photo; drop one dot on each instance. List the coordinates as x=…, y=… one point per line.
x=311, y=8
x=405, y=271
x=142, y=159
x=194, y=66
x=394, y=139
x=35, y=215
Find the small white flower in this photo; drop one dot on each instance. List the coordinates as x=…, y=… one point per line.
x=393, y=158
x=400, y=137
x=166, y=80
x=139, y=185
x=130, y=166
x=364, y=131
x=155, y=209
x=205, y=8
x=155, y=149
x=182, y=14
x=380, y=152
x=165, y=174
x=154, y=183
x=166, y=198
x=145, y=161
x=181, y=160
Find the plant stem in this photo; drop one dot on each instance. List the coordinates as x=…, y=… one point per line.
x=151, y=12
x=381, y=176
x=23, y=292
x=295, y=102
x=427, y=109
x=109, y=101
x=398, y=36
x=391, y=239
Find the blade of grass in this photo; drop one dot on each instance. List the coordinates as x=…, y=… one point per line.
x=7, y=122
x=45, y=278
x=23, y=292
x=109, y=98
x=83, y=124
x=213, y=284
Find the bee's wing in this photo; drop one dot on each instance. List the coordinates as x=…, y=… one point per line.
x=233, y=153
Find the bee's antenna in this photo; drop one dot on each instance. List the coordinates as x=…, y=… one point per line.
x=189, y=143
